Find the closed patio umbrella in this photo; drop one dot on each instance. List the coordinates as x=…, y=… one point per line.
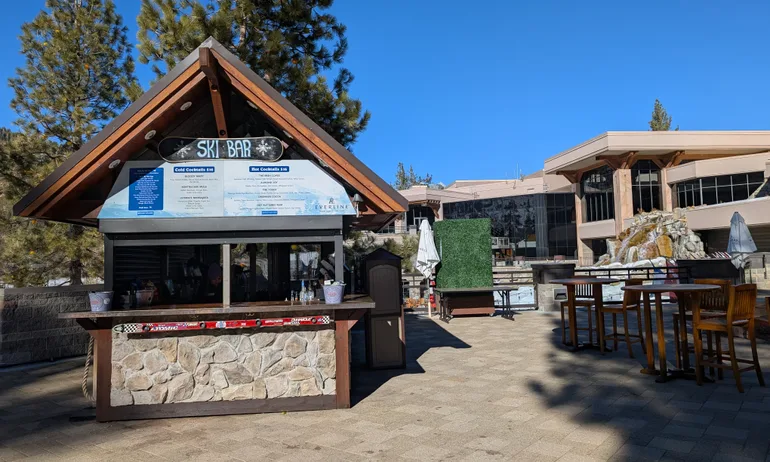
x=740, y=244
x=427, y=256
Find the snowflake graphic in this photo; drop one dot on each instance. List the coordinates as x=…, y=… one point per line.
x=263, y=147
x=182, y=149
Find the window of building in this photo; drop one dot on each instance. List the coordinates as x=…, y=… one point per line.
x=718, y=189
x=645, y=186
x=598, y=195
x=532, y=226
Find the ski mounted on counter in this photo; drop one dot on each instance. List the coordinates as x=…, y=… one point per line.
x=150, y=327
x=264, y=148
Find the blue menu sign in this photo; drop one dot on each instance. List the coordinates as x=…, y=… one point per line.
x=145, y=190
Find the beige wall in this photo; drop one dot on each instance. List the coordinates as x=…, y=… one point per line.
x=597, y=229
x=717, y=167
x=754, y=211
x=624, y=203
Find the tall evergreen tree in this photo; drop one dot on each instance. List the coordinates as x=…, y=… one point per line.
x=290, y=43
x=78, y=75
x=405, y=180
x=660, y=121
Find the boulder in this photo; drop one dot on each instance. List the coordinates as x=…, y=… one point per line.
x=665, y=246
x=133, y=361
x=260, y=389
x=180, y=388
x=138, y=381
x=189, y=357
x=244, y=391
x=121, y=397
x=277, y=386
x=295, y=346
x=168, y=347
x=236, y=374
x=154, y=361
x=326, y=341
x=218, y=379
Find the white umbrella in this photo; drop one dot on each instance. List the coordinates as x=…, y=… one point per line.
x=427, y=256
x=740, y=243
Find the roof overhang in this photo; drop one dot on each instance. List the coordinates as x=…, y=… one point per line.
x=60, y=196
x=619, y=149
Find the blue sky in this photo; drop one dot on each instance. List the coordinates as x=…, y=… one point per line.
x=468, y=90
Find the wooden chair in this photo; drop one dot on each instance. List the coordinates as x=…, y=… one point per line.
x=631, y=302
x=740, y=313
x=712, y=305
x=583, y=299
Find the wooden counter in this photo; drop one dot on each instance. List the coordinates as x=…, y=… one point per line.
x=133, y=376
x=350, y=303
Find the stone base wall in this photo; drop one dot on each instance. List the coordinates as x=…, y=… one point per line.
x=196, y=368
x=545, y=297
x=30, y=329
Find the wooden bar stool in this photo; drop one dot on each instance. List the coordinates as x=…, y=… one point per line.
x=713, y=305
x=584, y=298
x=740, y=313
x=631, y=302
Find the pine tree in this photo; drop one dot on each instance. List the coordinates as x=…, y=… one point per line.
x=660, y=121
x=289, y=43
x=405, y=180
x=78, y=75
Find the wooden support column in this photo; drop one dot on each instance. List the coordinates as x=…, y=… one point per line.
x=209, y=68
x=624, y=202
x=226, y=275
x=344, y=321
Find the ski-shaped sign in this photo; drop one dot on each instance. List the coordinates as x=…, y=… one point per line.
x=150, y=327
x=265, y=148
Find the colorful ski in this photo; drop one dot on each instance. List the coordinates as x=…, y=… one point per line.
x=149, y=327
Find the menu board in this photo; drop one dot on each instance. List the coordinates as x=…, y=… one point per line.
x=153, y=189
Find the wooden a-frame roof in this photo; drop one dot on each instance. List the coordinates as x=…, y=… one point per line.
x=209, y=78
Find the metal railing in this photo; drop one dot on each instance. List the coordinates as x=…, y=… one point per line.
x=512, y=276
x=663, y=273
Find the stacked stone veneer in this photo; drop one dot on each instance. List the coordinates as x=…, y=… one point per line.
x=196, y=368
x=30, y=329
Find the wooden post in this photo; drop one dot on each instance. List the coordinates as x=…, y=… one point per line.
x=226, y=275
x=345, y=320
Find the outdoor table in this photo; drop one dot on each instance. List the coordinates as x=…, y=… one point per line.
x=446, y=295
x=596, y=284
x=684, y=293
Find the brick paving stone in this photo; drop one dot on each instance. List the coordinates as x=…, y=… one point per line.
x=474, y=389
x=548, y=449
x=633, y=452
x=680, y=430
x=726, y=432
x=669, y=444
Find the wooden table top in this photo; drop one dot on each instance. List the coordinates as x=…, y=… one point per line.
x=661, y=288
x=354, y=302
x=583, y=280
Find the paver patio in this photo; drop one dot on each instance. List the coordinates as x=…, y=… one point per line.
x=475, y=389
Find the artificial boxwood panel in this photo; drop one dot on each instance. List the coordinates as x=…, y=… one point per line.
x=466, y=253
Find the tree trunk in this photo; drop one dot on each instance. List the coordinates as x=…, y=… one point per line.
x=76, y=272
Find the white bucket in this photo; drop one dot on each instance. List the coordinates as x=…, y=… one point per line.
x=333, y=294
x=100, y=301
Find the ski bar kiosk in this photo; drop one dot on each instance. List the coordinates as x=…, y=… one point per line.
x=223, y=210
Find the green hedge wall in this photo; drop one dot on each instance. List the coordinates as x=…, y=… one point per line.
x=465, y=246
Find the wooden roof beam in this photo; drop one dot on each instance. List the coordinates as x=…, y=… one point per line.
x=210, y=69
x=614, y=162
x=675, y=159
x=573, y=176
x=629, y=160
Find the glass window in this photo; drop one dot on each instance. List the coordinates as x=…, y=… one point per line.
x=724, y=194
x=597, y=191
x=724, y=180
x=709, y=196
x=706, y=182
x=756, y=177
x=740, y=192
x=645, y=186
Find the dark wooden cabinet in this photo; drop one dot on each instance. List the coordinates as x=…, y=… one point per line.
x=385, y=332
